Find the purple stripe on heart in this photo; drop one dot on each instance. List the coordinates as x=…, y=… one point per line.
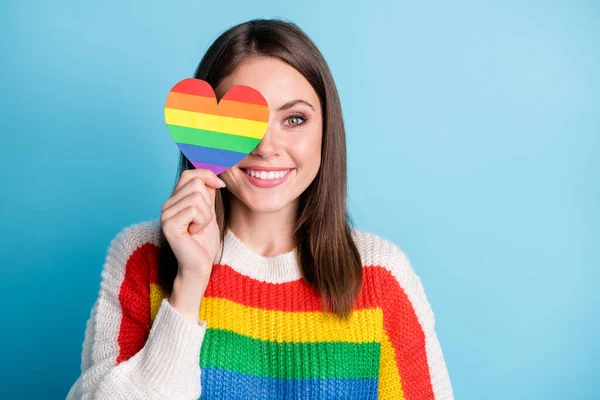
x=217, y=169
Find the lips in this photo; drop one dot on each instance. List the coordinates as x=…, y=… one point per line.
x=281, y=172
x=259, y=168
x=267, y=183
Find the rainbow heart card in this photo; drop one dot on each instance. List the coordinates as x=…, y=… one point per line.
x=213, y=135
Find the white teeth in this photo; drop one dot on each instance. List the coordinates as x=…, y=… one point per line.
x=266, y=175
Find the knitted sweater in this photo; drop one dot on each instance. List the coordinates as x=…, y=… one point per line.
x=261, y=331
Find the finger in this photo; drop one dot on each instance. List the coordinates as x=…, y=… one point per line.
x=207, y=176
x=193, y=199
x=193, y=185
x=179, y=224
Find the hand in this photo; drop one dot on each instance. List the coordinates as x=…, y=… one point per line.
x=189, y=222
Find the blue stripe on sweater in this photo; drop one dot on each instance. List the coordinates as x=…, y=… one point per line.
x=225, y=384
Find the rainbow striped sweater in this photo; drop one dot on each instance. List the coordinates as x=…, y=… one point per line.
x=261, y=332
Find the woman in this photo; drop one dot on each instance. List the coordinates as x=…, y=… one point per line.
x=258, y=287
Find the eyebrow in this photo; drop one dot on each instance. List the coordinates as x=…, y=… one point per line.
x=292, y=103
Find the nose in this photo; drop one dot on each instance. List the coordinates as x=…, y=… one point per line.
x=269, y=144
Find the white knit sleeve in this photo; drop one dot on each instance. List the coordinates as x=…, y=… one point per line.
x=166, y=367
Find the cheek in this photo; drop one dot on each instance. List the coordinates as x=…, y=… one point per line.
x=229, y=176
x=306, y=149
x=306, y=153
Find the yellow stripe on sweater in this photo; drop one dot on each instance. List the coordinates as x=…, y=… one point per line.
x=216, y=123
x=156, y=297
x=364, y=325
x=390, y=386
x=281, y=326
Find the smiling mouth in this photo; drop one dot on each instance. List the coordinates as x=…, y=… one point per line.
x=267, y=175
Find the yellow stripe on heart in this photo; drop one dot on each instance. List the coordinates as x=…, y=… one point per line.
x=216, y=123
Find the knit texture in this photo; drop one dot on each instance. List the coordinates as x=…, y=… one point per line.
x=261, y=332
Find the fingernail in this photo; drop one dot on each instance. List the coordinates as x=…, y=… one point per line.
x=221, y=182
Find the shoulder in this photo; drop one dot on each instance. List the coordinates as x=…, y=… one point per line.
x=135, y=235
x=379, y=251
x=394, y=273
x=131, y=250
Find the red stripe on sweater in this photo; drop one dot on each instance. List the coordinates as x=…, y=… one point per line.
x=134, y=298
x=407, y=336
x=289, y=296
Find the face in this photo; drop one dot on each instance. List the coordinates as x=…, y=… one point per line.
x=292, y=142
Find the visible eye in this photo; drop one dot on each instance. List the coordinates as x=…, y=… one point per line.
x=296, y=119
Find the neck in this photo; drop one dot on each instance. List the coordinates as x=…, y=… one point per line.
x=266, y=233
x=280, y=268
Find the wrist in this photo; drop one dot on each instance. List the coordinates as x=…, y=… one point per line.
x=190, y=285
x=187, y=294
x=195, y=275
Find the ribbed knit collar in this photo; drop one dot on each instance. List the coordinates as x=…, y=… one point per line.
x=274, y=269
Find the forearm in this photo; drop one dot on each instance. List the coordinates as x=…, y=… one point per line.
x=167, y=367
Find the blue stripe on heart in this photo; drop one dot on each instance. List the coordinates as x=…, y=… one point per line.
x=211, y=156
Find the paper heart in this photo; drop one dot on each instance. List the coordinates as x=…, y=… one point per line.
x=213, y=135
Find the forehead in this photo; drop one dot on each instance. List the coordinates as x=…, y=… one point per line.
x=275, y=79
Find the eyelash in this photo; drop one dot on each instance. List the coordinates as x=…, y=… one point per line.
x=297, y=115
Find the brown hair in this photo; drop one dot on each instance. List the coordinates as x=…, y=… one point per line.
x=327, y=255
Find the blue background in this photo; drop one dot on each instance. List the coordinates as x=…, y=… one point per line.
x=473, y=136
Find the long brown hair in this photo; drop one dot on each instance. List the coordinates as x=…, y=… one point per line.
x=327, y=255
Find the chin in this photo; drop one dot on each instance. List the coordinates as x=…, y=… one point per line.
x=266, y=204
